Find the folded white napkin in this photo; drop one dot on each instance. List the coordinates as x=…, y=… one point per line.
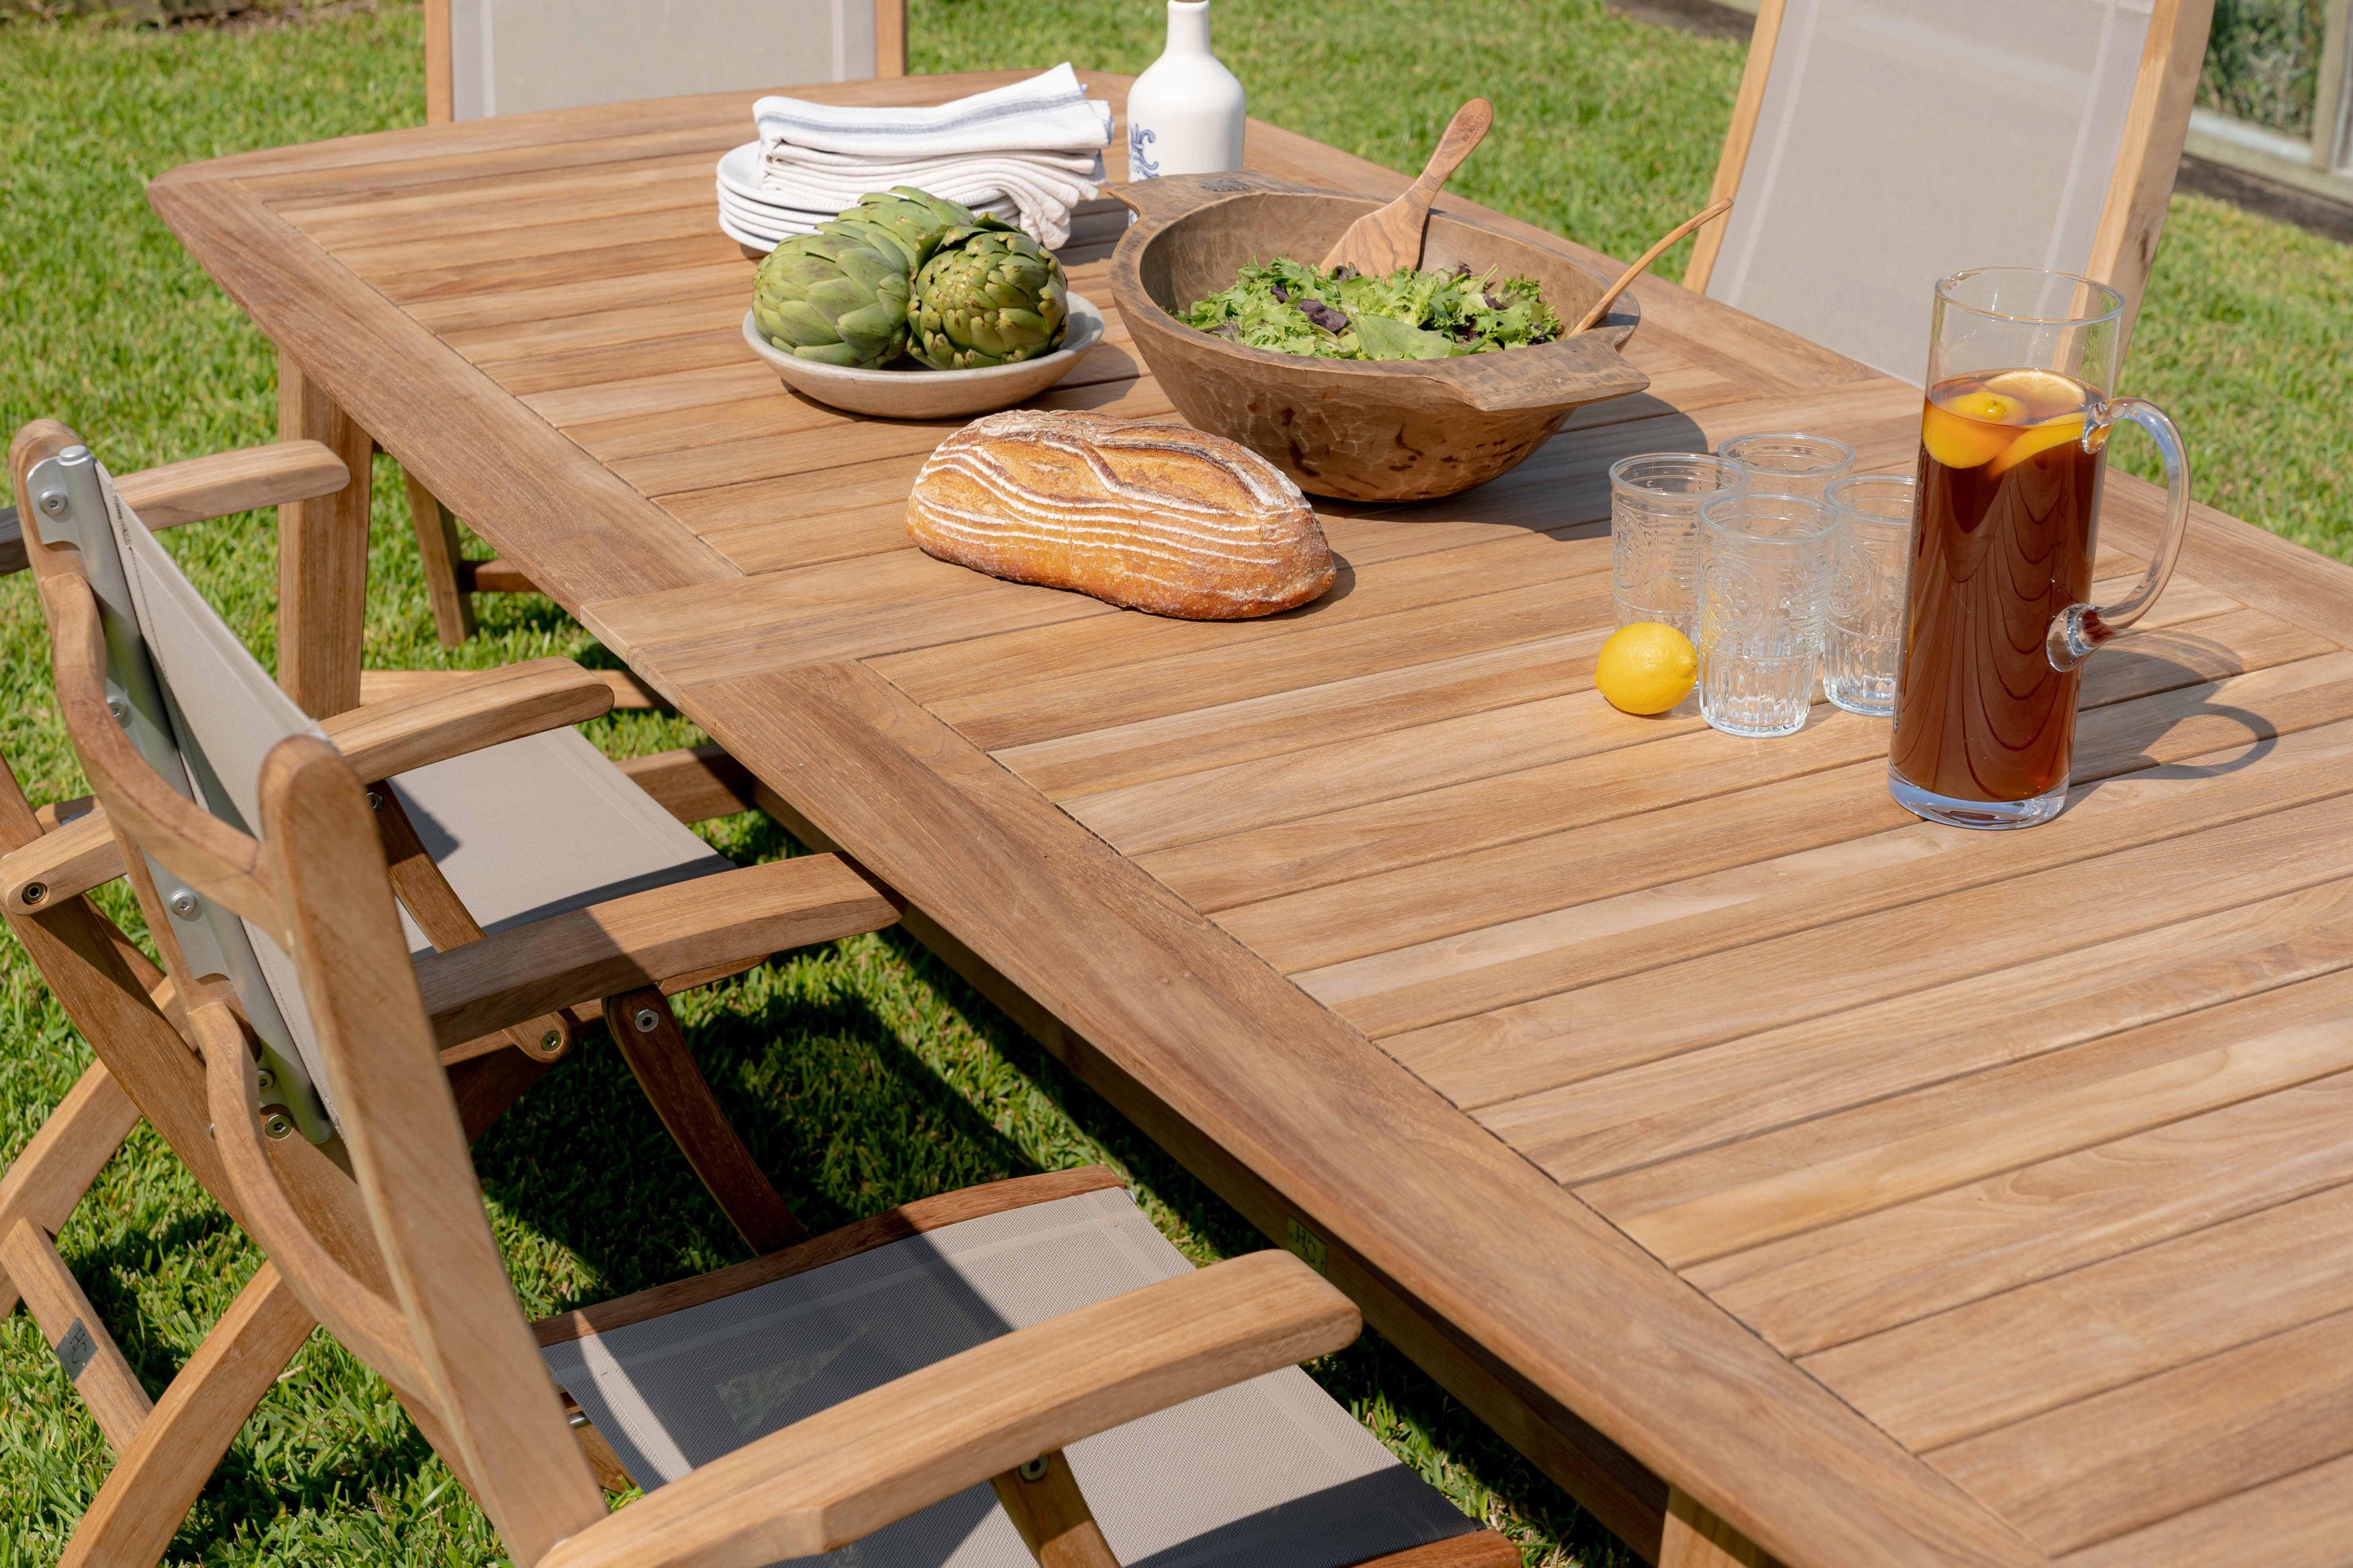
x=1048, y=112
x=1043, y=189
x=1036, y=143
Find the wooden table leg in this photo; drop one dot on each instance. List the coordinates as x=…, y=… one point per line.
x=1697, y=1539
x=322, y=556
x=437, y=552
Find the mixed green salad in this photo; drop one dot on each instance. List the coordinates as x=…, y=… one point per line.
x=1296, y=309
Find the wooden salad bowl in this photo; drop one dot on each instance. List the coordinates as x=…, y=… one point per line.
x=1387, y=430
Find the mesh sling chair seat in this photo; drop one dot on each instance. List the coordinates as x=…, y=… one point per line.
x=521, y=830
x=533, y=824
x=1269, y=1472
x=1185, y=1423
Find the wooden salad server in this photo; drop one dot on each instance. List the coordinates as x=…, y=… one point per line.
x=1625, y=280
x=1384, y=240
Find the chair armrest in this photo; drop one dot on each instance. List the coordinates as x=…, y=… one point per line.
x=727, y=919
x=226, y=482
x=208, y=487
x=498, y=705
x=63, y=862
x=846, y=1472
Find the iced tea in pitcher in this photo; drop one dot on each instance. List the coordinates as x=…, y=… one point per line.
x=1998, y=617
x=2002, y=544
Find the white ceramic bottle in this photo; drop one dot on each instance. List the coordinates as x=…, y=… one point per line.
x=1185, y=112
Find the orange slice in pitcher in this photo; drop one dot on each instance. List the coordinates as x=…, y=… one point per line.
x=2037, y=439
x=2046, y=394
x=1970, y=429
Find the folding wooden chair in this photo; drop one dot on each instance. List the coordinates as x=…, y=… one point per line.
x=495, y=816
x=1037, y=1335
x=1877, y=145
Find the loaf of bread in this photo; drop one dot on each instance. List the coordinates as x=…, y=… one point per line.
x=1149, y=517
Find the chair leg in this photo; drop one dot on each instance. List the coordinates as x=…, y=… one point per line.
x=93, y=1362
x=651, y=1043
x=48, y=1178
x=436, y=548
x=1043, y=1499
x=158, y=1477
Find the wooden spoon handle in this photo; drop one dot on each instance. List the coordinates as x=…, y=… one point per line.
x=1463, y=133
x=1625, y=280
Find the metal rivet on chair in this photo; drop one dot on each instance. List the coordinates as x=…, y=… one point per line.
x=648, y=1020
x=120, y=709
x=1035, y=1470
x=265, y=1078
x=550, y=1040
x=53, y=503
x=34, y=892
x=376, y=801
x=277, y=1124
x=579, y=1419
x=183, y=904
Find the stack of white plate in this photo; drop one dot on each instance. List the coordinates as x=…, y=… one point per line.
x=757, y=217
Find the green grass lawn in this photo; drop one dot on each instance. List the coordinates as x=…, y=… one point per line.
x=863, y=1073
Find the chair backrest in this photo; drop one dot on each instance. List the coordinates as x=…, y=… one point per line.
x=1878, y=145
x=266, y=822
x=512, y=56
x=202, y=714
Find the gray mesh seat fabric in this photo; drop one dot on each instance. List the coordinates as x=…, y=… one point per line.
x=1902, y=139
x=521, y=830
x=1270, y=1472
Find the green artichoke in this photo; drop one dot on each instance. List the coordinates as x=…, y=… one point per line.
x=838, y=296
x=917, y=220
x=990, y=295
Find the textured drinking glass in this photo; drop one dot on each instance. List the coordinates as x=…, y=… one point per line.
x=1654, y=502
x=1863, y=614
x=1785, y=463
x=1764, y=568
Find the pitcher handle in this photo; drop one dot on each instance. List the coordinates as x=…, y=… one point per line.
x=2080, y=628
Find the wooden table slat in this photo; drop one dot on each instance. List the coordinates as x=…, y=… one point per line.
x=1959, y=1375
x=2137, y=1454
x=1679, y=1105
x=1877, y=1156
x=1839, y=1282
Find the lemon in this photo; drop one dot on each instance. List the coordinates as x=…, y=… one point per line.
x=1971, y=430
x=1646, y=667
x=2040, y=437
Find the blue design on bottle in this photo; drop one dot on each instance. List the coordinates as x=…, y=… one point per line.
x=1140, y=167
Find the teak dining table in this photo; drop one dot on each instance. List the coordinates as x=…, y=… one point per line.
x=1787, y=1177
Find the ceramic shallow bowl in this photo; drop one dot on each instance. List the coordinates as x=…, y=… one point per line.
x=1391, y=430
x=905, y=390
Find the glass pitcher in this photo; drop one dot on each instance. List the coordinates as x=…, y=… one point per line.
x=1998, y=617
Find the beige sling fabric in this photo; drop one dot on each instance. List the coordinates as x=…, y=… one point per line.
x=512, y=56
x=521, y=830
x=1903, y=140
x=1271, y=1472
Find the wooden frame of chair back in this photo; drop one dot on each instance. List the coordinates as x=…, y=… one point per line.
x=440, y=92
x=2132, y=218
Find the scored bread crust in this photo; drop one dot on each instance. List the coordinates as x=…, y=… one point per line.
x=1149, y=517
